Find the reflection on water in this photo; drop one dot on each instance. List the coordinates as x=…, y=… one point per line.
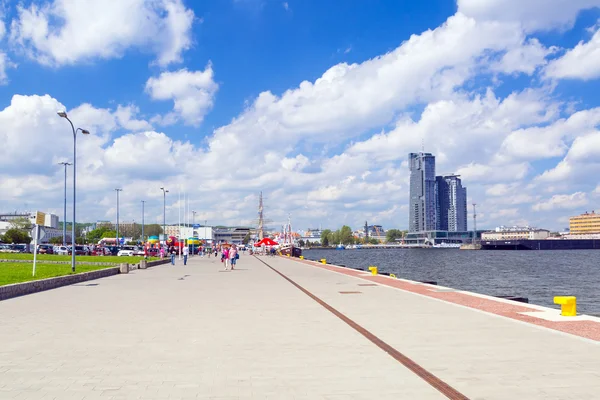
x=538, y=275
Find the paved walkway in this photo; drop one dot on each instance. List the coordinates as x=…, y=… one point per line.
x=196, y=332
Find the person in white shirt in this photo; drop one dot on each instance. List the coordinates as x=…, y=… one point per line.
x=186, y=252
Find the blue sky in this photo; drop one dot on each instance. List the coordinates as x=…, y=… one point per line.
x=314, y=103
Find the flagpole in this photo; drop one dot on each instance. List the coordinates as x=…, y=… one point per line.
x=179, y=218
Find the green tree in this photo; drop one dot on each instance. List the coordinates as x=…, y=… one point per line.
x=95, y=235
x=393, y=234
x=21, y=223
x=246, y=238
x=152, y=230
x=325, y=237
x=14, y=235
x=346, y=236
x=301, y=243
x=56, y=240
x=109, y=234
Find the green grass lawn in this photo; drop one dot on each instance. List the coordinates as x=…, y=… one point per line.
x=53, y=257
x=21, y=272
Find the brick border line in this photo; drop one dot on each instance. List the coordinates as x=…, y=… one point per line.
x=407, y=362
x=585, y=329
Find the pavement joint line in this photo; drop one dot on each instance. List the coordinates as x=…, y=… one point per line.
x=421, y=372
x=539, y=327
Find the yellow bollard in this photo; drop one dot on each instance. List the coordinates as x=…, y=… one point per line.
x=302, y=257
x=323, y=261
x=373, y=269
x=287, y=255
x=568, y=305
x=392, y=276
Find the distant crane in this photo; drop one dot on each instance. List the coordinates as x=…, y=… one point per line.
x=474, y=222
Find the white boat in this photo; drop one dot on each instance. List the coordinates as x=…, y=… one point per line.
x=445, y=245
x=340, y=247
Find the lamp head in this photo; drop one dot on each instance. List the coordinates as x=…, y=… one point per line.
x=62, y=114
x=85, y=131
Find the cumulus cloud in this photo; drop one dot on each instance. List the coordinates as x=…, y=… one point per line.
x=333, y=150
x=61, y=32
x=532, y=14
x=191, y=91
x=580, y=62
x=562, y=201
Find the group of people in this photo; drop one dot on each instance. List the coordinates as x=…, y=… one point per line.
x=229, y=256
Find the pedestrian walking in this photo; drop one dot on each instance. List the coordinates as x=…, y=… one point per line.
x=172, y=255
x=186, y=252
x=233, y=256
x=162, y=253
x=226, y=257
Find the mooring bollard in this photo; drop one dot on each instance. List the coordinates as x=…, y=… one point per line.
x=568, y=305
x=124, y=268
x=392, y=276
x=373, y=269
x=287, y=255
x=323, y=261
x=302, y=257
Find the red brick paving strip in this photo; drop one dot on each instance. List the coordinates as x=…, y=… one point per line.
x=421, y=372
x=585, y=329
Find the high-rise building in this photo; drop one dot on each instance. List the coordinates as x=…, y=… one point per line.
x=422, y=212
x=451, y=206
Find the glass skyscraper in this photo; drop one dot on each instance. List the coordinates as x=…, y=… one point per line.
x=423, y=199
x=451, y=208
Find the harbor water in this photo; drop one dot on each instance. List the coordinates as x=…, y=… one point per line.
x=537, y=275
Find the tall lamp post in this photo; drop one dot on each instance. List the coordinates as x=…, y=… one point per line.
x=193, y=223
x=118, y=190
x=143, y=204
x=66, y=164
x=63, y=114
x=165, y=191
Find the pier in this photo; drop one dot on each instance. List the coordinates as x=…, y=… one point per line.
x=280, y=328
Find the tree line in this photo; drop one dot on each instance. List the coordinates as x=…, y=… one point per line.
x=345, y=236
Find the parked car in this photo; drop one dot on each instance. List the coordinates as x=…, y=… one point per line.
x=101, y=251
x=61, y=250
x=19, y=248
x=114, y=250
x=6, y=248
x=45, y=249
x=139, y=251
x=80, y=250
x=126, y=251
x=152, y=252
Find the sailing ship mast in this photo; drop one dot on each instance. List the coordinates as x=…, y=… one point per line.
x=261, y=229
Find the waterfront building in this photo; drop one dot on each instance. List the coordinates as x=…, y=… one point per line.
x=422, y=203
x=516, y=233
x=585, y=223
x=230, y=235
x=451, y=206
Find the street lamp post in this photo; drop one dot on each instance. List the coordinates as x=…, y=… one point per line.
x=193, y=223
x=63, y=114
x=143, y=203
x=118, y=190
x=165, y=191
x=66, y=164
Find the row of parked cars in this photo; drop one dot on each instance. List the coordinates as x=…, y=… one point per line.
x=79, y=250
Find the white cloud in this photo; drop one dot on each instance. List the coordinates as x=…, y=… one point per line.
x=63, y=32
x=580, y=62
x=525, y=59
x=191, y=91
x=312, y=150
x=532, y=14
x=562, y=201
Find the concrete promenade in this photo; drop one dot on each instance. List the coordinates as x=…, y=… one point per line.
x=197, y=332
